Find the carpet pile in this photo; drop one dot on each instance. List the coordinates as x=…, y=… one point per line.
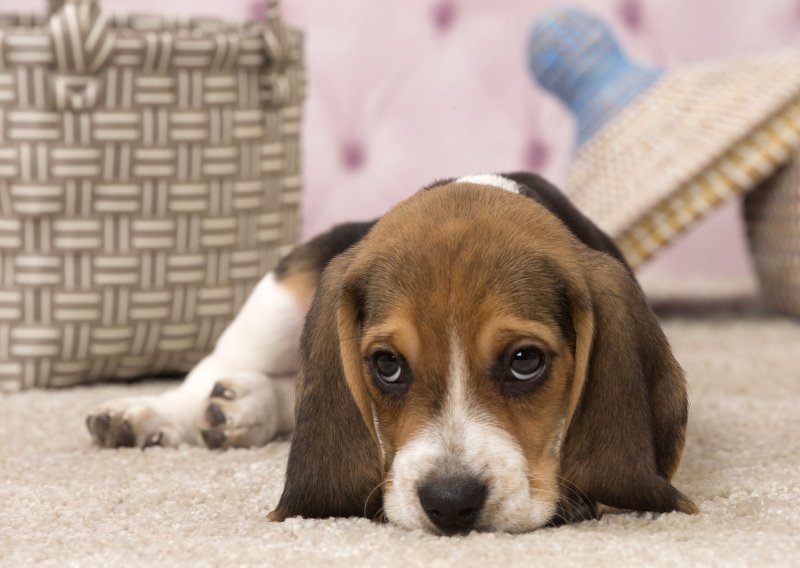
x=63, y=502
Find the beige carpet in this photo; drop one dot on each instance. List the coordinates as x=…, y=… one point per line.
x=63, y=502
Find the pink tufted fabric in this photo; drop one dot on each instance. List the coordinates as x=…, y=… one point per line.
x=402, y=92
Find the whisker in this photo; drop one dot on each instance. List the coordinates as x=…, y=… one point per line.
x=572, y=487
x=379, y=513
x=366, y=501
x=564, y=496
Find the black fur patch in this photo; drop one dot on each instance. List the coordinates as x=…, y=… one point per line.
x=316, y=254
x=536, y=187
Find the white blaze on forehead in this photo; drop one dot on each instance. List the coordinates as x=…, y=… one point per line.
x=493, y=180
x=457, y=402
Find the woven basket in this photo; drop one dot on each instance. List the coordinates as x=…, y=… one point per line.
x=772, y=215
x=149, y=176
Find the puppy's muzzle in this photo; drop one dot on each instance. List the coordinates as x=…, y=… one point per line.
x=453, y=504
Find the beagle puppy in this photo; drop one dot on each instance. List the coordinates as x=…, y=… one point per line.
x=480, y=358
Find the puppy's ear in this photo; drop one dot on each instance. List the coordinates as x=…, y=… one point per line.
x=334, y=464
x=626, y=421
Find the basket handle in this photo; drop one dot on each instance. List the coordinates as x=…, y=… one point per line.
x=82, y=37
x=54, y=6
x=82, y=42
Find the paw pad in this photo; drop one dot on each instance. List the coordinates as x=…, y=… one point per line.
x=214, y=415
x=214, y=439
x=123, y=436
x=129, y=423
x=221, y=391
x=98, y=425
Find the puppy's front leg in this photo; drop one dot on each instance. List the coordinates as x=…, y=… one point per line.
x=242, y=394
x=239, y=395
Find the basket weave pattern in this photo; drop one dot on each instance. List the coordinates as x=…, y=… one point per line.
x=149, y=176
x=772, y=215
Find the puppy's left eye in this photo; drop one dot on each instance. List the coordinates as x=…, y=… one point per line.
x=527, y=363
x=390, y=373
x=387, y=366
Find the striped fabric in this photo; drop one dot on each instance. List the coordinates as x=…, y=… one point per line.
x=741, y=169
x=149, y=176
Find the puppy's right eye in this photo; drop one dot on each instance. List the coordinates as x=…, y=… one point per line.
x=387, y=367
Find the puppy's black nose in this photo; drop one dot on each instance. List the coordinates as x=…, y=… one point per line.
x=453, y=504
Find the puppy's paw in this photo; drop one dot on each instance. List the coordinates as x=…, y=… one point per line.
x=131, y=422
x=241, y=412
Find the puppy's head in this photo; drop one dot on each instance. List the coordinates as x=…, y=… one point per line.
x=478, y=367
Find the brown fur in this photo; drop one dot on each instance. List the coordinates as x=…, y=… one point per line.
x=333, y=463
x=497, y=270
x=303, y=285
x=624, y=440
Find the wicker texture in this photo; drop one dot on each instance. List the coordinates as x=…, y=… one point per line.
x=658, y=152
x=149, y=176
x=772, y=214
